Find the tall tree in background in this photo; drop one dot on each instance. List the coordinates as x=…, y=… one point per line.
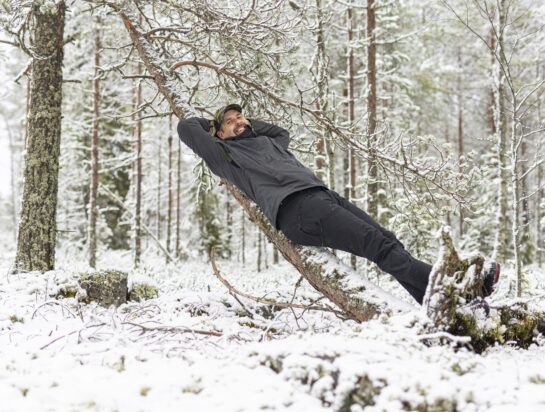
x=500, y=120
x=137, y=168
x=169, y=183
x=460, y=131
x=372, y=172
x=351, y=110
x=93, y=190
x=36, y=240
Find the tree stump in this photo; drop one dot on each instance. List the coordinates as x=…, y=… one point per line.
x=106, y=287
x=454, y=302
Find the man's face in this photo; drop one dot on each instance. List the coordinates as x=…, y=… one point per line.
x=233, y=124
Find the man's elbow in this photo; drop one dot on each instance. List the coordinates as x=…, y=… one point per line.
x=185, y=126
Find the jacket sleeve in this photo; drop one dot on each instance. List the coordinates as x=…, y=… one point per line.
x=194, y=133
x=262, y=128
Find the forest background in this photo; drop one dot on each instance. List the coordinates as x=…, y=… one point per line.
x=423, y=113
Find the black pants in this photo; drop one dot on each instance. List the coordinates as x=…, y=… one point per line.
x=321, y=217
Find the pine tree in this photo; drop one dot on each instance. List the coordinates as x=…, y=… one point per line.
x=37, y=235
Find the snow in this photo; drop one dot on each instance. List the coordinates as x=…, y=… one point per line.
x=60, y=355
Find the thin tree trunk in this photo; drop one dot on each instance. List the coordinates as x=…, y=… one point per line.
x=500, y=245
x=346, y=154
x=490, y=107
x=229, y=224
x=540, y=242
x=159, y=185
x=178, y=197
x=243, y=238
x=526, y=243
x=137, y=229
x=515, y=187
x=351, y=114
x=36, y=240
x=93, y=190
x=447, y=140
x=170, y=194
x=321, y=79
x=460, y=138
x=259, y=249
x=372, y=172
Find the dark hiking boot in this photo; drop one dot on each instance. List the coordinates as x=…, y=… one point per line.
x=491, y=275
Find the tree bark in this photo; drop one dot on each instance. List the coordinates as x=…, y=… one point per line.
x=178, y=197
x=321, y=74
x=351, y=114
x=527, y=246
x=540, y=195
x=137, y=170
x=500, y=244
x=460, y=138
x=372, y=171
x=170, y=192
x=93, y=189
x=37, y=235
x=159, y=184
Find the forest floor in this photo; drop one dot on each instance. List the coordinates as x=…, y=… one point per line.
x=61, y=355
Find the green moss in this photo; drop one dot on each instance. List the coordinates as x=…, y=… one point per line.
x=16, y=319
x=520, y=325
x=106, y=287
x=66, y=291
x=510, y=324
x=142, y=291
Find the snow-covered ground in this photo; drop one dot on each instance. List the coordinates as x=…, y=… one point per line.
x=164, y=355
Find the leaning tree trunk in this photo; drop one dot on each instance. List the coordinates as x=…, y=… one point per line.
x=360, y=299
x=37, y=235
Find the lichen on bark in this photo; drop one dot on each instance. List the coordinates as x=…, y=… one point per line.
x=37, y=228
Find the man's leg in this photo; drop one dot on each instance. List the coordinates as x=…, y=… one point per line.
x=321, y=217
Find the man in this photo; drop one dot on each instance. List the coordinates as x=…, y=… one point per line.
x=254, y=156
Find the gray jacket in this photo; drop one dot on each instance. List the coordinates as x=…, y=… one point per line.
x=259, y=163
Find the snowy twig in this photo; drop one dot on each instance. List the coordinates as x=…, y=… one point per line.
x=266, y=301
x=52, y=302
x=172, y=329
x=445, y=335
